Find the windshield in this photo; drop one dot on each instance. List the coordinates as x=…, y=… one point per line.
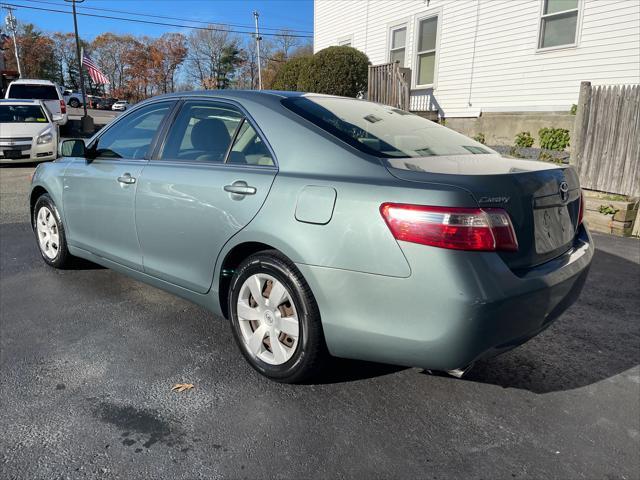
x=38, y=92
x=381, y=130
x=22, y=114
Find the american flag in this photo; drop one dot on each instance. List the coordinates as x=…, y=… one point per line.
x=96, y=75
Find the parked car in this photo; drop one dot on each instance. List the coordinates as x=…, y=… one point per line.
x=73, y=99
x=106, y=103
x=28, y=132
x=120, y=105
x=45, y=90
x=320, y=224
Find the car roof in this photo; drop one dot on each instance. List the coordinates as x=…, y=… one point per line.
x=33, y=81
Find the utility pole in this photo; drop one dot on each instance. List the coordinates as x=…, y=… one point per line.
x=258, y=40
x=12, y=25
x=86, y=122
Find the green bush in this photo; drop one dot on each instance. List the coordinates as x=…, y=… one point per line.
x=287, y=78
x=554, y=138
x=524, y=140
x=574, y=109
x=335, y=71
x=479, y=138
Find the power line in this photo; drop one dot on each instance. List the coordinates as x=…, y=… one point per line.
x=149, y=22
x=168, y=18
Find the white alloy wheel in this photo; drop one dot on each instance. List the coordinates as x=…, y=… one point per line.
x=268, y=319
x=48, y=235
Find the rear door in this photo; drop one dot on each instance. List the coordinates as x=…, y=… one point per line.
x=99, y=194
x=209, y=180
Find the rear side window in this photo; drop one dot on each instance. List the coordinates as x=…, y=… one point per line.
x=381, y=130
x=38, y=92
x=202, y=132
x=132, y=135
x=249, y=149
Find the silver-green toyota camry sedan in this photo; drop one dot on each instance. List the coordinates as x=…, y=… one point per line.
x=322, y=225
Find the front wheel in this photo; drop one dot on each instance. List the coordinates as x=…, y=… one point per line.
x=49, y=231
x=275, y=319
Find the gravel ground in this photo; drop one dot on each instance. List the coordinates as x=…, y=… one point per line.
x=88, y=358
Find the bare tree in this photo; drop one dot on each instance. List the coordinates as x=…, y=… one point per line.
x=213, y=57
x=285, y=41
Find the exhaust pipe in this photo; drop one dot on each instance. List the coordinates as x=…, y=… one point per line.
x=460, y=372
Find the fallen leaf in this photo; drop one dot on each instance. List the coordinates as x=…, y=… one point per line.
x=181, y=387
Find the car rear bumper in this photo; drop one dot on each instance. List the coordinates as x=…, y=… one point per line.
x=455, y=308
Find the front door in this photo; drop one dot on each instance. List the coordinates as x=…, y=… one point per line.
x=211, y=178
x=99, y=194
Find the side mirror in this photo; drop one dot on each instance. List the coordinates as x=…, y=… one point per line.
x=58, y=118
x=73, y=148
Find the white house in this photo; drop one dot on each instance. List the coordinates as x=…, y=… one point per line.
x=468, y=57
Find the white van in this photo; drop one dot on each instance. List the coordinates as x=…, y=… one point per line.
x=44, y=90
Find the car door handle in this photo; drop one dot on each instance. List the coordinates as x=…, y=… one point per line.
x=127, y=179
x=240, y=188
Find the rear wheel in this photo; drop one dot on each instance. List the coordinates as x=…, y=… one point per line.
x=49, y=231
x=275, y=318
x=74, y=102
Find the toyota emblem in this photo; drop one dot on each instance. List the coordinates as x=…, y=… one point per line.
x=564, y=191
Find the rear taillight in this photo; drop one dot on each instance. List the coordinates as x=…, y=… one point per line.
x=487, y=229
x=63, y=107
x=581, y=208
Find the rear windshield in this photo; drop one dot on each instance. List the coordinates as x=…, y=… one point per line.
x=381, y=130
x=22, y=114
x=37, y=92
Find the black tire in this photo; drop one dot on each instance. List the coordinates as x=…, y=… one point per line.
x=74, y=102
x=62, y=258
x=310, y=355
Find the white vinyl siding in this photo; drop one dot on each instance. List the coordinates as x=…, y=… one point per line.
x=487, y=54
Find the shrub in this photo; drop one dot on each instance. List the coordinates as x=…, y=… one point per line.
x=479, y=138
x=554, y=138
x=524, y=140
x=574, y=109
x=287, y=77
x=335, y=71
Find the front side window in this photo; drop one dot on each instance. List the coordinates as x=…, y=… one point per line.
x=381, y=130
x=38, y=92
x=559, y=23
x=427, y=39
x=398, y=44
x=202, y=132
x=22, y=114
x=132, y=135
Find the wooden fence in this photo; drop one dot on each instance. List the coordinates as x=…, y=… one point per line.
x=607, y=138
x=390, y=84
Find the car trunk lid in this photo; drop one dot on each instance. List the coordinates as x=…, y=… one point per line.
x=542, y=199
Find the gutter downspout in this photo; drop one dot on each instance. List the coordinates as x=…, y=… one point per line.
x=473, y=56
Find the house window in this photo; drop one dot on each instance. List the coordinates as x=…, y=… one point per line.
x=427, y=35
x=398, y=44
x=559, y=23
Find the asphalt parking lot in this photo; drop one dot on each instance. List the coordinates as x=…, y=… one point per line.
x=88, y=358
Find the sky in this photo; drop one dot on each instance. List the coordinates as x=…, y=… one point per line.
x=274, y=14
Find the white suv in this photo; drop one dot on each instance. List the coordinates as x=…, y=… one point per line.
x=44, y=90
